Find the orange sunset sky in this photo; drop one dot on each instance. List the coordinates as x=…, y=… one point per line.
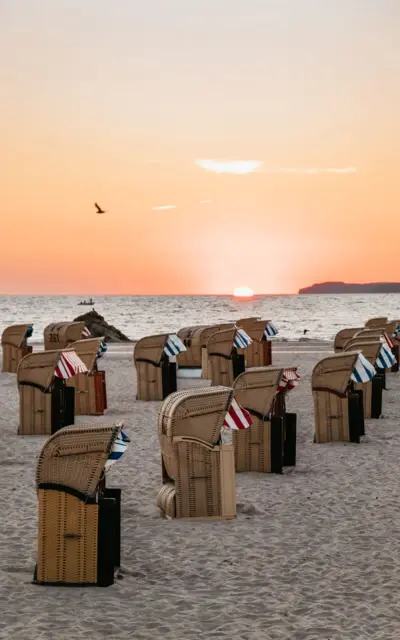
x=139, y=105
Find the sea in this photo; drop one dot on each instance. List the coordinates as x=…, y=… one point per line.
x=138, y=316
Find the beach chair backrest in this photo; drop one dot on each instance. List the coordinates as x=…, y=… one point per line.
x=344, y=336
x=15, y=335
x=59, y=335
x=151, y=349
x=221, y=343
x=87, y=350
x=333, y=374
x=256, y=388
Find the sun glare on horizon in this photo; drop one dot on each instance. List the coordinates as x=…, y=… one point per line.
x=243, y=292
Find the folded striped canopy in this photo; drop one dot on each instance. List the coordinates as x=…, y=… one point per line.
x=237, y=417
x=118, y=449
x=29, y=332
x=289, y=380
x=363, y=370
x=242, y=339
x=385, y=359
x=396, y=331
x=270, y=330
x=69, y=365
x=103, y=346
x=174, y=345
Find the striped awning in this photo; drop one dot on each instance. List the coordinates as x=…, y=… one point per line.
x=385, y=359
x=363, y=370
x=270, y=330
x=289, y=380
x=118, y=449
x=241, y=339
x=86, y=333
x=396, y=331
x=237, y=418
x=102, y=349
x=174, y=345
x=69, y=365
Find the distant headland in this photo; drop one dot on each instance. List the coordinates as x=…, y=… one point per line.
x=343, y=287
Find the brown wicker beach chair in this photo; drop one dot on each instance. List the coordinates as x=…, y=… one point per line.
x=198, y=472
x=46, y=403
x=59, y=335
x=259, y=352
x=269, y=443
x=156, y=374
x=372, y=390
x=338, y=407
x=224, y=361
x=191, y=338
x=14, y=346
x=90, y=387
x=368, y=335
x=79, y=518
x=343, y=336
x=375, y=322
x=203, y=339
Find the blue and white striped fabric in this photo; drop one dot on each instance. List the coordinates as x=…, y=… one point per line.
x=242, y=339
x=102, y=349
x=385, y=359
x=363, y=370
x=174, y=345
x=270, y=330
x=396, y=331
x=118, y=449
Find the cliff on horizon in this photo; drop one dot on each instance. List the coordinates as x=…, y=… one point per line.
x=343, y=287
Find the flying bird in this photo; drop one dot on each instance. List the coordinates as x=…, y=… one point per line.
x=99, y=209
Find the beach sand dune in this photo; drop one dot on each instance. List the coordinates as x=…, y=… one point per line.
x=314, y=554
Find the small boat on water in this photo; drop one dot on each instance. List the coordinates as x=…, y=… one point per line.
x=87, y=302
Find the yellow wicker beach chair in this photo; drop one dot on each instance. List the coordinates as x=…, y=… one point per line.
x=204, y=336
x=269, y=443
x=59, y=335
x=191, y=338
x=14, y=346
x=90, y=387
x=338, y=406
x=79, y=538
x=198, y=472
x=46, y=403
x=343, y=336
x=372, y=390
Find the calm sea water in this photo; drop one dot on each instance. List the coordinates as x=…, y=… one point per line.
x=138, y=316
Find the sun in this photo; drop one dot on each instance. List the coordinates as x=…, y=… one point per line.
x=243, y=292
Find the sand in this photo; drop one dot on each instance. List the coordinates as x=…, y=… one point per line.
x=313, y=553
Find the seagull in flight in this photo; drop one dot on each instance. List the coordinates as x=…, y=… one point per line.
x=99, y=209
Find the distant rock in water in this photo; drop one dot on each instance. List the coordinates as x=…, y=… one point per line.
x=99, y=327
x=343, y=287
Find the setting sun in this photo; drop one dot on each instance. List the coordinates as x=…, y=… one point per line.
x=243, y=292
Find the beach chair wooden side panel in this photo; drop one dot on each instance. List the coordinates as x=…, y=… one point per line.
x=200, y=479
x=331, y=417
x=221, y=371
x=191, y=357
x=8, y=365
x=100, y=392
x=366, y=388
x=67, y=539
x=205, y=364
x=257, y=354
x=149, y=381
x=35, y=412
x=252, y=447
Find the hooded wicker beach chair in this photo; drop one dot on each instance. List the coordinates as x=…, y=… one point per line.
x=59, y=335
x=387, y=332
x=338, y=407
x=269, y=444
x=203, y=339
x=259, y=352
x=90, y=387
x=14, y=346
x=79, y=518
x=375, y=322
x=154, y=358
x=377, y=353
x=343, y=336
x=191, y=338
x=198, y=472
x=224, y=361
x=46, y=403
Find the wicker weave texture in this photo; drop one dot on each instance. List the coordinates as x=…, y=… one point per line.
x=35, y=414
x=331, y=417
x=252, y=447
x=67, y=539
x=255, y=389
x=87, y=350
x=376, y=322
x=150, y=348
x=74, y=457
x=343, y=336
x=334, y=372
x=89, y=400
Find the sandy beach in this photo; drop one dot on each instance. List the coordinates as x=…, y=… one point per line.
x=314, y=554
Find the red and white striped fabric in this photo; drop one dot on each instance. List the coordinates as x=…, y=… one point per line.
x=389, y=341
x=237, y=417
x=289, y=380
x=69, y=365
x=86, y=333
